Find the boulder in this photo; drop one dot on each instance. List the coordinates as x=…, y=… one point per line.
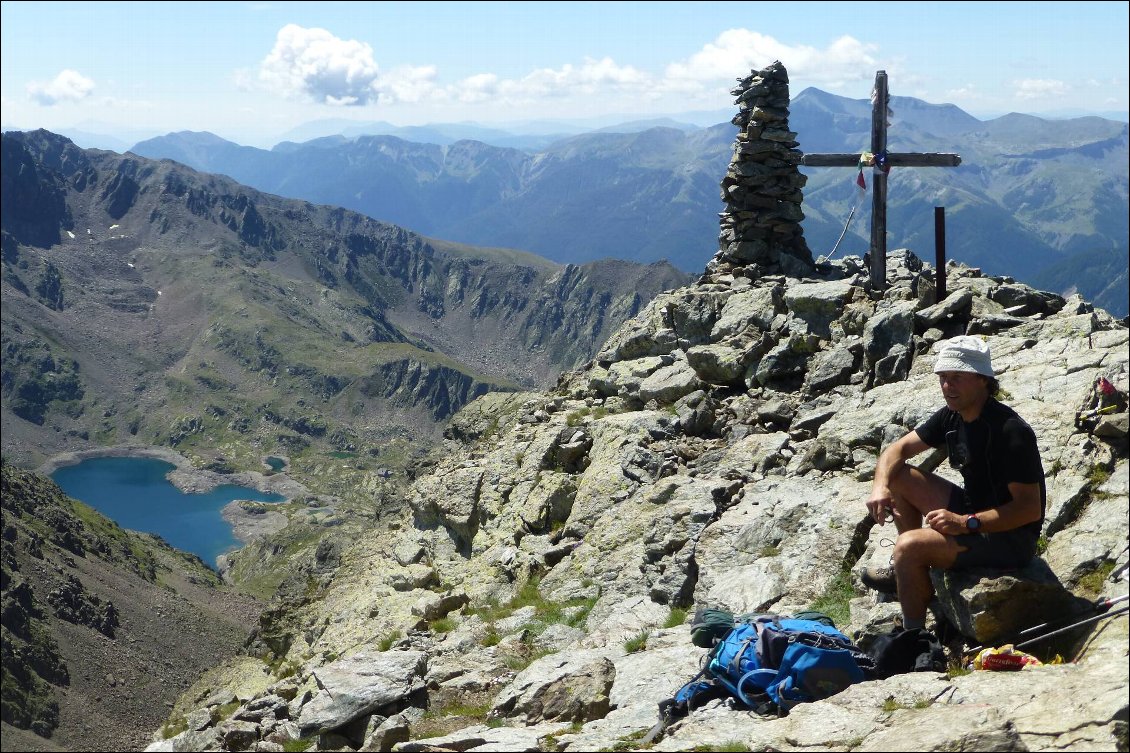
x=571, y=688
x=988, y=606
x=359, y=685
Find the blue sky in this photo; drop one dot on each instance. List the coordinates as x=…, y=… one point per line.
x=249, y=71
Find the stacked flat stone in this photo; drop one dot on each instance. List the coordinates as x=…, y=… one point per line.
x=760, y=229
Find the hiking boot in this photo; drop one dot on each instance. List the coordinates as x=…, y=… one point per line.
x=881, y=579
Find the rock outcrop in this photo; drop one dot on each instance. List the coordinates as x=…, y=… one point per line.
x=717, y=452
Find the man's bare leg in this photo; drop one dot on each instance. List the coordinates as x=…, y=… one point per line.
x=916, y=493
x=915, y=553
x=918, y=549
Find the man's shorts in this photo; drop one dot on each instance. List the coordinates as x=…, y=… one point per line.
x=1006, y=549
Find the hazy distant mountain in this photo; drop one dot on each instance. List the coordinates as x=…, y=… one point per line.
x=587, y=197
x=1029, y=192
x=98, y=135
x=438, y=133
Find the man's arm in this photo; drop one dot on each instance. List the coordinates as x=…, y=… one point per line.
x=891, y=462
x=1023, y=508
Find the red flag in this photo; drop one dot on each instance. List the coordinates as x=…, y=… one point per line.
x=861, y=181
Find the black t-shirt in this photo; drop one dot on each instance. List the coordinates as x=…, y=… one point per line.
x=994, y=450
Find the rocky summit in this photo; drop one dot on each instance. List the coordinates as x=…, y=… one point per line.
x=534, y=593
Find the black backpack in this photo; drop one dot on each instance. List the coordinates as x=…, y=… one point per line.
x=902, y=651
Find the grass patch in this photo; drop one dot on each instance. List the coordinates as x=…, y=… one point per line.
x=442, y=625
x=295, y=746
x=891, y=704
x=1093, y=581
x=220, y=713
x=549, y=742
x=638, y=642
x=572, y=612
x=1098, y=475
x=282, y=668
x=173, y=727
x=632, y=742
x=956, y=670
x=577, y=417
x=451, y=710
x=836, y=599
x=730, y=746
x=676, y=617
x=518, y=662
x=387, y=642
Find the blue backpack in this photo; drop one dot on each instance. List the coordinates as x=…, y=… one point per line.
x=787, y=660
x=768, y=663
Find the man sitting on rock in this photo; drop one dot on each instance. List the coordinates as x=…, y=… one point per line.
x=994, y=521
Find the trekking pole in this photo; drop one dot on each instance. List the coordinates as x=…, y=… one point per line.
x=1087, y=621
x=1101, y=605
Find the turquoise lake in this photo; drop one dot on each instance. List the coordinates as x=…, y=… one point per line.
x=134, y=493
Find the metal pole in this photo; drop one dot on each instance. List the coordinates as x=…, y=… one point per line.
x=1108, y=615
x=940, y=252
x=1100, y=605
x=879, y=184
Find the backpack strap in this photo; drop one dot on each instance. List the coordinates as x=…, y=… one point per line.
x=689, y=697
x=736, y=662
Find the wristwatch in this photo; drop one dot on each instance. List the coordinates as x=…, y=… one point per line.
x=973, y=523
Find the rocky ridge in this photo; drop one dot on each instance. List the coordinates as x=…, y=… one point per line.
x=533, y=594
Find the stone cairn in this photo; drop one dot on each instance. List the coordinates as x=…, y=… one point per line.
x=760, y=229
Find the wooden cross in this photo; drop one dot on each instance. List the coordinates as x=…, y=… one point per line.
x=882, y=162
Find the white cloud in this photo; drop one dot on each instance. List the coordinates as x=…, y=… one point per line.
x=68, y=86
x=736, y=51
x=481, y=87
x=591, y=77
x=316, y=64
x=407, y=84
x=587, y=78
x=1039, y=88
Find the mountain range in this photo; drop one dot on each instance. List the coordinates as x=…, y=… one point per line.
x=145, y=302
x=1032, y=196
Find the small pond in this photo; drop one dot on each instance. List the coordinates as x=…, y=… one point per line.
x=134, y=493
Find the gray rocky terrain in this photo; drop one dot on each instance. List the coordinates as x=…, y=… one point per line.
x=533, y=591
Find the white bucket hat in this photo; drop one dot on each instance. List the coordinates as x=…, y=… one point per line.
x=964, y=353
